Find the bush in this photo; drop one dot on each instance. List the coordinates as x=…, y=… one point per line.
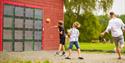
x=90, y=26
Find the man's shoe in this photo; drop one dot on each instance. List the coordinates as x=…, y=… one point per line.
x=119, y=58
x=57, y=53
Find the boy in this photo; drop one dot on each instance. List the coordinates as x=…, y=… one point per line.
x=74, y=34
x=116, y=26
x=62, y=38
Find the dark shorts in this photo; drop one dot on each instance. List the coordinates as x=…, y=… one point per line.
x=119, y=41
x=62, y=40
x=74, y=43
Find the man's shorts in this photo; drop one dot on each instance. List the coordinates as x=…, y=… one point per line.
x=74, y=43
x=119, y=41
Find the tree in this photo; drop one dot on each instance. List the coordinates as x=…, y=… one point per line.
x=105, y=5
x=82, y=11
x=90, y=28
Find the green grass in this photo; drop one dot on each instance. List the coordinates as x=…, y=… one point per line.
x=96, y=47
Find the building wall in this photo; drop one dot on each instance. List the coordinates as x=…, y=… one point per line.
x=52, y=9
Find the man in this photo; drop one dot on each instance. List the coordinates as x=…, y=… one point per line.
x=116, y=26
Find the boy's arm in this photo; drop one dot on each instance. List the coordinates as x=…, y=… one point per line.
x=69, y=32
x=61, y=32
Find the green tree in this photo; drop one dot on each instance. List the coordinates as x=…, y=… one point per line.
x=90, y=28
x=82, y=11
x=122, y=17
x=105, y=5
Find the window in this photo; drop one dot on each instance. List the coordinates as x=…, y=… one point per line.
x=22, y=28
x=8, y=10
x=19, y=11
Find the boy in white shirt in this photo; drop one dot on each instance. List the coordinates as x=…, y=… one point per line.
x=74, y=35
x=116, y=26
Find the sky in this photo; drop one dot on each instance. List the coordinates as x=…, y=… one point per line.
x=118, y=7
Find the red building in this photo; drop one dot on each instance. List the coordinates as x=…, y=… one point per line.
x=23, y=25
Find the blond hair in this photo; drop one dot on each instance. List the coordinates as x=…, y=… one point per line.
x=76, y=24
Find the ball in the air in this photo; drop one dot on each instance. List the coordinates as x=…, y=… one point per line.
x=48, y=20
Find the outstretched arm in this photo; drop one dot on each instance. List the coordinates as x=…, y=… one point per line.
x=107, y=30
x=69, y=32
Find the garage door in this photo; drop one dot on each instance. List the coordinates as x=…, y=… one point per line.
x=22, y=28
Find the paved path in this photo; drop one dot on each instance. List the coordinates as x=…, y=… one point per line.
x=50, y=55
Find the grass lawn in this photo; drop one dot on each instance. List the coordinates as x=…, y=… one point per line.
x=96, y=47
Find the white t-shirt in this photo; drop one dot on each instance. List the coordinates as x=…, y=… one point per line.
x=115, y=26
x=74, y=34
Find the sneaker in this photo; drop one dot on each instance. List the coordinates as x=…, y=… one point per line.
x=63, y=53
x=80, y=58
x=67, y=58
x=119, y=58
x=57, y=53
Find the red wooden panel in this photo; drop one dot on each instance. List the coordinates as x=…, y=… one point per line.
x=1, y=23
x=21, y=4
